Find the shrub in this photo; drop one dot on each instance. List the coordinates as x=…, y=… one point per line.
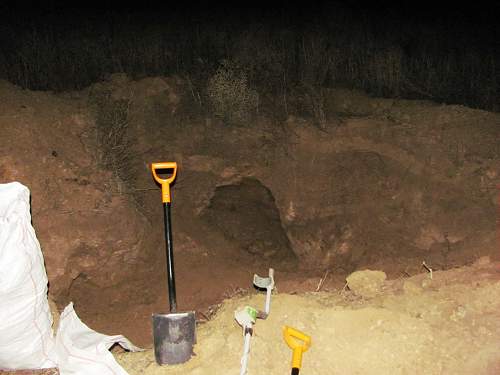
x=112, y=141
x=230, y=96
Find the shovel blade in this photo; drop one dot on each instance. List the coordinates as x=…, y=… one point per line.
x=174, y=337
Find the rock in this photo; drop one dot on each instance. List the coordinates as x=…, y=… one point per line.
x=366, y=283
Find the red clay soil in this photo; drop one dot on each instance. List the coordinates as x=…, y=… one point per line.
x=387, y=185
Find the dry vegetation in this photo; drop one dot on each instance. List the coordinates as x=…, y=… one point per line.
x=111, y=139
x=278, y=59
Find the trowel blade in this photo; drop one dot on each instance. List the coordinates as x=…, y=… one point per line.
x=262, y=282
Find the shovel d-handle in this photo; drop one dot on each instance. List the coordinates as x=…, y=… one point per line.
x=299, y=342
x=164, y=182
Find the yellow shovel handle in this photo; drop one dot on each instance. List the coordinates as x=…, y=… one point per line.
x=299, y=342
x=164, y=182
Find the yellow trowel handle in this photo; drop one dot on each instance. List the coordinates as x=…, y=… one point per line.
x=297, y=341
x=164, y=182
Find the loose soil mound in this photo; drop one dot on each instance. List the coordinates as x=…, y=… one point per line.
x=449, y=324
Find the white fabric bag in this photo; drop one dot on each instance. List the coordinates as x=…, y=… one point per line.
x=82, y=351
x=26, y=337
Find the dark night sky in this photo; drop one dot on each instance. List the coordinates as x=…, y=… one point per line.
x=474, y=11
x=470, y=12
x=479, y=19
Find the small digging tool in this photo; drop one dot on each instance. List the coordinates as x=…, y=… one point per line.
x=247, y=316
x=299, y=342
x=268, y=284
x=246, y=319
x=174, y=334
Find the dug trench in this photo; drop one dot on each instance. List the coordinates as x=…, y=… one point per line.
x=386, y=186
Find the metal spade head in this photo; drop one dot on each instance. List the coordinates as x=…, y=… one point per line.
x=264, y=282
x=174, y=337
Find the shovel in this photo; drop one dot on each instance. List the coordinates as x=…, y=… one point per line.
x=174, y=334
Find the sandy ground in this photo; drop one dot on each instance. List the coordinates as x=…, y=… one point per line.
x=449, y=324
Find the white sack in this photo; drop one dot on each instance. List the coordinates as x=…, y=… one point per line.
x=25, y=320
x=82, y=351
x=26, y=337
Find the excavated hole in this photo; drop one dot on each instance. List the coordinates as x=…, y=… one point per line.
x=246, y=214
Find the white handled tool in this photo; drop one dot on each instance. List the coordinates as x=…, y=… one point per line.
x=246, y=319
x=268, y=284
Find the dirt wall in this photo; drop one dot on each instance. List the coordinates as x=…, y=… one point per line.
x=387, y=184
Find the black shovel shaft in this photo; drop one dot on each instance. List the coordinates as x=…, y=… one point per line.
x=295, y=371
x=170, y=259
